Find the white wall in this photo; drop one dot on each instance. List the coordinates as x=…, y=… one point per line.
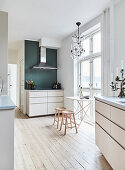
x=12, y=56
x=4, y=49
x=119, y=34
x=66, y=69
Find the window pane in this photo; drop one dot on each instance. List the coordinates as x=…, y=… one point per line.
x=85, y=74
x=97, y=73
x=97, y=43
x=86, y=46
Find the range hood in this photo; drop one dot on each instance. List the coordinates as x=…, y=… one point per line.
x=42, y=64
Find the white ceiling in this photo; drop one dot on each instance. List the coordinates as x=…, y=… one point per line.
x=33, y=19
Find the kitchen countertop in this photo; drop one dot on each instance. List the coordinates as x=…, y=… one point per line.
x=114, y=101
x=6, y=103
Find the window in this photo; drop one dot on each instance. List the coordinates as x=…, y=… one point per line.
x=90, y=68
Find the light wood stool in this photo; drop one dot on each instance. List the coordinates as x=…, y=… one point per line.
x=57, y=115
x=65, y=115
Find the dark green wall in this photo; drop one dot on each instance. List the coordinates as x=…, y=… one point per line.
x=42, y=78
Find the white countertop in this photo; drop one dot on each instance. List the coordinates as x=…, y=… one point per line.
x=6, y=103
x=114, y=101
x=44, y=90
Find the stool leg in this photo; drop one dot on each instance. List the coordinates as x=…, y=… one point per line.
x=70, y=121
x=65, y=124
x=55, y=117
x=62, y=121
x=58, y=120
x=75, y=123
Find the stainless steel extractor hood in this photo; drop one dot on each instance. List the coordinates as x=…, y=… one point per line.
x=43, y=64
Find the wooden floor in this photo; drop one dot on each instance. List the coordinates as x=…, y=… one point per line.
x=40, y=146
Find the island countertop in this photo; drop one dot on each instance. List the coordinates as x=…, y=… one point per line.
x=6, y=103
x=114, y=101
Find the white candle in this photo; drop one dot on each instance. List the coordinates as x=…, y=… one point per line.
x=121, y=64
x=117, y=71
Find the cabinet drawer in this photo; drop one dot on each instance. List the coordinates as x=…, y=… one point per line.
x=55, y=99
x=102, y=108
x=38, y=100
x=118, y=134
x=117, y=156
x=102, y=141
x=37, y=109
x=53, y=106
x=103, y=122
x=118, y=116
x=55, y=93
x=37, y=94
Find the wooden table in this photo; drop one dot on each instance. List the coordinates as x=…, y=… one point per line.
x=80, y=110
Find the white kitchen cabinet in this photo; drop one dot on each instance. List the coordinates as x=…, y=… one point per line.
x=110, y=133
x=43, y=102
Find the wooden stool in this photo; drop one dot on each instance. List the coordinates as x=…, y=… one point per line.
x=65, y=115
x=57, y=115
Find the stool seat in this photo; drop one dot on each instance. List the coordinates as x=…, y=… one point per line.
x=60, y=108
x=67, y=112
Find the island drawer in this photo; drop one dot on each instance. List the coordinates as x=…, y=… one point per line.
x=55, y=99
x=118, y=116
x=118, y=134
x=102, y=108
x=103, y=122
x=55, y=93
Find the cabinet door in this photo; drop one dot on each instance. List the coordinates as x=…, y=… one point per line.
x=37, y=109
x=53, y=106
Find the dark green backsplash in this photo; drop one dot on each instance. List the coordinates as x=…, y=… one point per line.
x=42, y=78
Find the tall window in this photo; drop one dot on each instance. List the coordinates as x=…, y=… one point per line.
x=90, y=65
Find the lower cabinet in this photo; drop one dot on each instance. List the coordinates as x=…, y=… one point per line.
x=40, y=103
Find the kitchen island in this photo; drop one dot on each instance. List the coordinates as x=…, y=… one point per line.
x=110, y=129
x=6, y=133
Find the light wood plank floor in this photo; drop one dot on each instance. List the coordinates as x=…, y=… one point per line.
x=40, y=146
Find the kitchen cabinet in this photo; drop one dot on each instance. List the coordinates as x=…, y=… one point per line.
x=110, y=132
x=43, y=102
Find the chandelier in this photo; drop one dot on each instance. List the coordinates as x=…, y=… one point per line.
x=76, y=46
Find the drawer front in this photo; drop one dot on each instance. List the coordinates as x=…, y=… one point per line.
x=118, y=134
x=37, y=94
x=37, y=109
x=38, y=100
x=55, y=99
x=55, y=93
x=103, y=122
x=117, y=156
x=102, y=141
x=118, y=116
x=53, y=106
x=102, y=108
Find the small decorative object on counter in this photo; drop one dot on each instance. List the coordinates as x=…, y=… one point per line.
x=119, y=83
x=30, y=85
x=80, y=92
x=57, y=85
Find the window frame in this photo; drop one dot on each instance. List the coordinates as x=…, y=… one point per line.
x=90, y=58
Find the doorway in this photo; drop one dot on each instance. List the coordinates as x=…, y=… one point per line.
x=12, y=82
